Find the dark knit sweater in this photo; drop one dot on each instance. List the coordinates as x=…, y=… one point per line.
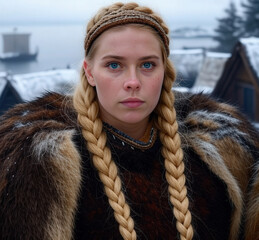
x=141, y=168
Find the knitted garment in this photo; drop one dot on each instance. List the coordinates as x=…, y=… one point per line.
x=49, y=188
x=121, y=17
x=141, y=168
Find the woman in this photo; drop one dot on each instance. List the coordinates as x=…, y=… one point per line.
x=111, y=163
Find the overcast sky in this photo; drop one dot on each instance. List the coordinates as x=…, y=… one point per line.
x=175, y=12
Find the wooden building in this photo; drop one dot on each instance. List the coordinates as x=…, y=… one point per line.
x=210, y=72
x=187, y=64
x=8, y=94
x=27, y=87
x=239, y=82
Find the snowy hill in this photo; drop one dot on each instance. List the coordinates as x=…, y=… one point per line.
x=252, y=49
x=188, y=32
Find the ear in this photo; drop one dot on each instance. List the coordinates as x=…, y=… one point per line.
x=88, y=73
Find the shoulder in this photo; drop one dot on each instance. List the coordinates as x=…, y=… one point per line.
x=38, y=153
x=50, y=110
x=228, y=143
x=219, y=133
x=52, y=106
x=201, y=116
x=40, y=124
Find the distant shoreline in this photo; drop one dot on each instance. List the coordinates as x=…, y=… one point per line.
x=190, y=37
x=58, y=49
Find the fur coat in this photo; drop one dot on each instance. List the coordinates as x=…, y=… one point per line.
x=50, y=190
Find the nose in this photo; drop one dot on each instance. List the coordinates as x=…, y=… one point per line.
x=132, y=81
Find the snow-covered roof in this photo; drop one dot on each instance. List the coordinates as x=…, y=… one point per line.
x=211, y=70
x=181, y=89
x=201, y=89
x=252, y=49
x=212, y=65
x=33, y=85
x=218, y=55
x=3, y=82
x=2, y=85
x=187, y=61
x=3, y=74
x=256, y=124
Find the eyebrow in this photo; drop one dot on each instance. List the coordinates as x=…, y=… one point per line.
x=121, y=58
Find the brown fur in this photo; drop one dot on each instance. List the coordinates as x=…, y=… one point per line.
x=40, y=173
x=238, y=152
x=40, y=168
x=252, y=213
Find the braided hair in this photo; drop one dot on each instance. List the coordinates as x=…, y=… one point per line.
x=86, y=104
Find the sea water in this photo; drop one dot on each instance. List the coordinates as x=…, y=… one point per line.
x=61, y=46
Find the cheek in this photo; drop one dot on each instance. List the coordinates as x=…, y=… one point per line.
x=101, y=81
x=157, y=85
x=155, y=92
x=105, y=90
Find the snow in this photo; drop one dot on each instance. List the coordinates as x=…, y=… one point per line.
x=218, y=55
x=187, y=63
x=2, y=84
x=3, y=74
x=211, y=70
x=201, y=89
x=198, y=89
x=181, y=89
x=252, y=49
x=33, y=85
x=189, y=32
x=188, y=60
x=256, y=124
x=208, y=65
x=186, y=51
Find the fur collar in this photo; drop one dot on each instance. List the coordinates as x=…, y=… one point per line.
x=37, y=146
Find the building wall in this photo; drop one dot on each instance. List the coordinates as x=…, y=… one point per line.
x=257, y=104
x=246, y=93
x=8, y=100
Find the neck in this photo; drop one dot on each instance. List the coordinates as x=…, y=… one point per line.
x=134, y=130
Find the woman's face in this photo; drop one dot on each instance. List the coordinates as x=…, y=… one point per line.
x=128, y=71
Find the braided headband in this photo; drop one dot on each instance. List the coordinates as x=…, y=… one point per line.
x=121, y=17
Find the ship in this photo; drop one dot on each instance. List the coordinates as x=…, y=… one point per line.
x=16, y=47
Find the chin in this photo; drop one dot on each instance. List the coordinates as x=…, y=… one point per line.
x=133, y=120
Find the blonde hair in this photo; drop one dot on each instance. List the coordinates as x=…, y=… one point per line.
x=86, y=104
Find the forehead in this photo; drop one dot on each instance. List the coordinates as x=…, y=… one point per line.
x=135, y=38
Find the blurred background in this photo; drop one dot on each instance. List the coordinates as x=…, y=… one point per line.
x=42, y=41
x=57, y=28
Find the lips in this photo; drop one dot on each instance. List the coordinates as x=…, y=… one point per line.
x=132, y=102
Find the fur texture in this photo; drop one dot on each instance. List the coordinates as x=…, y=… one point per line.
x=227, y=142
x=41, y=169
x=40, y=173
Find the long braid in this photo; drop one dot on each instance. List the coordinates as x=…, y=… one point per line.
x=88, y=116
x=87, y=107
x=173, y=155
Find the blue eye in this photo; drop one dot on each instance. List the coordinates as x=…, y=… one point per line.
x=114, y=65
x=147, y=65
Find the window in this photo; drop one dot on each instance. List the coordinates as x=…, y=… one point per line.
x=246, y=95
